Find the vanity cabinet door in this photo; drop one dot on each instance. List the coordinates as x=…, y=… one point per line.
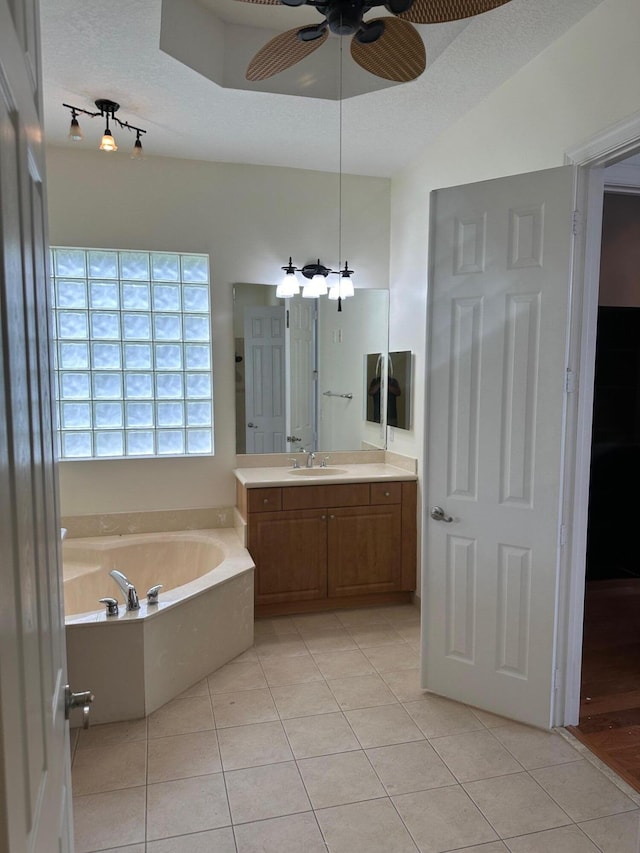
x=364, y=550
x=290, y=553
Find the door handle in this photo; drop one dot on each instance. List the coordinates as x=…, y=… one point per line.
x=78, y=700
x=438, y=514
x=253, y=426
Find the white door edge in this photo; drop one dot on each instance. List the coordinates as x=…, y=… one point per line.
x=592, y=157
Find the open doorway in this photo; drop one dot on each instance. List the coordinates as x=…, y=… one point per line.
x=610, y=690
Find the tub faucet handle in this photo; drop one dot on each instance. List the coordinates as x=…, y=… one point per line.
x=152, y=594
x=112, y=606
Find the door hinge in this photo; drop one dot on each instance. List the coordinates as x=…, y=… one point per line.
x=569, y=381
x=287, y=317
x=576, y=222
x=563, y=535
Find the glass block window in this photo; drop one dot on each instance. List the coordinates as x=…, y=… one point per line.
x=132, y=353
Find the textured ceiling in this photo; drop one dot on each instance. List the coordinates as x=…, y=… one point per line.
x=93, y=49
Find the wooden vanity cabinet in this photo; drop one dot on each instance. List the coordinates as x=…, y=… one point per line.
x=318, y=547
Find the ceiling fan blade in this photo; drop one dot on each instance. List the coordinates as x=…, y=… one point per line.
x=282, y=52
x=397, y=55
x=439, y=11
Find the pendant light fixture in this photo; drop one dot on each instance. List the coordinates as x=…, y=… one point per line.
x=106, y=109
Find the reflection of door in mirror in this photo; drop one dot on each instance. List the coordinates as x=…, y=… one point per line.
x=264, y=354
x=302, y=373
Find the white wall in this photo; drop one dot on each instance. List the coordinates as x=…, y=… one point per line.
x=584, y=82
x=249, y=219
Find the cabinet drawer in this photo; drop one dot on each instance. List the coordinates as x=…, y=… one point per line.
x=316, y=497
x=264, y=500
x=386, y=493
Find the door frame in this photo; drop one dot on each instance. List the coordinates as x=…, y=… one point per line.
x=591, y=157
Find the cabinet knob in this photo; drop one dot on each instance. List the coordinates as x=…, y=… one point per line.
x=332, y=516
x=323, y=518
x=386, y=494
x=265, y=501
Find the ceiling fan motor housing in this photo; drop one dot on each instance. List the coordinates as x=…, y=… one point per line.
x=344, y=16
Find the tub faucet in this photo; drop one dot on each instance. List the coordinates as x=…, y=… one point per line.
x=128, y=590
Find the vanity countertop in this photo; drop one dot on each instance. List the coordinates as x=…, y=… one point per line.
x=364, y=472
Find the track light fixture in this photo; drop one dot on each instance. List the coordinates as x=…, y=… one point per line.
x=317, y=275
x=106, y=109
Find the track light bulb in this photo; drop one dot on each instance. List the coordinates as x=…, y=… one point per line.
x=108, y=142
x=75, y=131
x=137, y=153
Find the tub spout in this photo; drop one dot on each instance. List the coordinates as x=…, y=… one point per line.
x=128, y=590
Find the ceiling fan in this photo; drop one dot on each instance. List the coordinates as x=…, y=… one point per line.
x=388, y=47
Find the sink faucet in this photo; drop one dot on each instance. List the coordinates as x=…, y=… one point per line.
x=128, y=590
x=310, y=457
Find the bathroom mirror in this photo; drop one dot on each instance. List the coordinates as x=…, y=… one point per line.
x=397, y=379
x=299, y=370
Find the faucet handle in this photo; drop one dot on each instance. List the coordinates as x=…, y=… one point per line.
x=152, y=594
x=112, y=606
x=296, y=464
x=325, y=459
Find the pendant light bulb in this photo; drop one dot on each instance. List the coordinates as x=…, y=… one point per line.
x=334, y=292
x=320, y=284
x=310, y=290
x=346, y=282
x=288, y=286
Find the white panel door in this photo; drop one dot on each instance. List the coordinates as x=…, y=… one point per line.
x=264, y=350
x=302, y=374
x=501, y=266
x=34, y=736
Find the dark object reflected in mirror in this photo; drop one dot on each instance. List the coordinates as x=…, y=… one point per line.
x=395, y=385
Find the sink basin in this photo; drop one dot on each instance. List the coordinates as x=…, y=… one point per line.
x=316, y=472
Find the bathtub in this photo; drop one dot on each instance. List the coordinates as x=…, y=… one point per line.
x=138, y=660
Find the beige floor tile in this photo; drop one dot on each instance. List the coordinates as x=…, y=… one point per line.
x=181, y=756
x=243, y=708
x=408, y=767
x=491, y=847
x=251, y=746
x=213, y=841
x=443, y=819
x=582, y=790
x=302, y=700
x=112, y=733
x=361, y=619
x=186, y=805
x=437, y=717
x=276, y=626
x=490, y=721
x=516, y=805
x=113, y=818
x=568, y=839
x=475, y=755
x=322, y=734
x=393, y=658
x=534, y=748
x=335, y=640
x=248, y=655
x=298, y=670
x=343, y=664
x=616, y=834
x=263, y=792
x=290, y=834
x=129, y=848
x=401, y=613
x=288, y=645
x=181, y=716
x=200, y=688
x=382, y=726
x=405, y=684
x=334, y=780
x=237, y=676
x=107, y=768
x=361, y=691
x=369, y=827
x=309, y=623
x=376, y=635
x=410, y=633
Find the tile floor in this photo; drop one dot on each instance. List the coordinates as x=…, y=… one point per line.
x=320, y=739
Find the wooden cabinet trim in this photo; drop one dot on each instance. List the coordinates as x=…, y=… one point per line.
x=265, y=500
x=386, y=493
x=317, y=497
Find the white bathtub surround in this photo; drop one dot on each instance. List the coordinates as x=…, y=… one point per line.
x=155, y=521
x=139, y=660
